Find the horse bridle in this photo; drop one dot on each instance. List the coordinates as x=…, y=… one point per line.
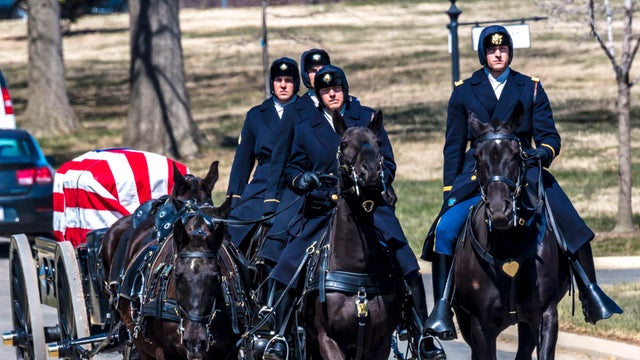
x=347, y=168
x=517, y=185
x=208, y=319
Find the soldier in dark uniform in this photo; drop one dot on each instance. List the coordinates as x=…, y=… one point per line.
x=279, y=199
x=313, y=151
x=255, y=146
x=492, y=93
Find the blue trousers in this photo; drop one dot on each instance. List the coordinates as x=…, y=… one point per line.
x=450, y=224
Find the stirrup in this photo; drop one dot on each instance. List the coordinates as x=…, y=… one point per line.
x=440, y=321
x=596, y=305
x=432, y=353
x=270, y=355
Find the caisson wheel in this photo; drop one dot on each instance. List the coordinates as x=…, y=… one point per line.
x=72, y=310
x=28, y=335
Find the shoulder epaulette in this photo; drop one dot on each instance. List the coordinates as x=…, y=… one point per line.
x=535, y=79
x=458, y=83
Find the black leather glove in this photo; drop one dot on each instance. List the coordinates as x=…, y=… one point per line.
x=542, y=153
x=306, y=181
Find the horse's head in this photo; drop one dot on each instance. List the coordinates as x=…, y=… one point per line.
x=191, y=188
x=197, y=239
x=499, y=166
x=359, y=156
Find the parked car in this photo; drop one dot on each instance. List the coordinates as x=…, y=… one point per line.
x=7, y=117
x=69, y=9
x=26, y=185
x=13, y=9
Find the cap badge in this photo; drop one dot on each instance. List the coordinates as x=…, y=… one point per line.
x=496, y=39
x=327, y=78
x=316, y=57
x=283, y=67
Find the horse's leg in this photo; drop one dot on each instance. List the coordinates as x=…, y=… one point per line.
x=382, y=349
x=526, y=341
x=548, y=334
x=483, y=340
x=464, y=324
x=329, y=348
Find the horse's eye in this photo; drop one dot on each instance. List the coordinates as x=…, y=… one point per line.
x=343, y=145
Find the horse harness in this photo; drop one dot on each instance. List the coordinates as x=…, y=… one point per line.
x=510, y=266
x=322, y=279
x=154, y=272
x=515, y=186
x=347, y=168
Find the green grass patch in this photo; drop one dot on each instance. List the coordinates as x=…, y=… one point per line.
x=624, y=327
x=419, y=203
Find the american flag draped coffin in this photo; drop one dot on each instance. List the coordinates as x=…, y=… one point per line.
x=97, y=188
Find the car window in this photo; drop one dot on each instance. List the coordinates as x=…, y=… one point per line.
x=15, y=148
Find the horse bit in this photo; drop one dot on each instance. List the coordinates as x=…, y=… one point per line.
x=348, y=167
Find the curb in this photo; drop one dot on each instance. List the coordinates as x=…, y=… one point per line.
x=617, y=262
x=596, y=347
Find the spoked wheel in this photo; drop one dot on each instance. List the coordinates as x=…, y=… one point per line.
x=72, y=310
x=28, y=335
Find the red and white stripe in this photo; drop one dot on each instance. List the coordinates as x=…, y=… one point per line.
x=97, y=188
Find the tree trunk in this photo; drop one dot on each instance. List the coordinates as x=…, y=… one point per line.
x=624, y=218
x=48, y=110
x=160, y=118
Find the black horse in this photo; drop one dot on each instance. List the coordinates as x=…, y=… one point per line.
x=354, y=296
x=508, y=268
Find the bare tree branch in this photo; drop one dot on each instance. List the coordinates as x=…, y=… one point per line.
x=596, y=34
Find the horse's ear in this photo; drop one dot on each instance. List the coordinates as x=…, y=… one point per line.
x=180, y=233
x=338, y=123
x=212, y=177
x=475, y=124
x=179, y=183
x=516, y=116
x=224, y=209
x=376, y=123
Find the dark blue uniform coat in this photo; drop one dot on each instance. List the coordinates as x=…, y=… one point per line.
x=314, y=148
x=476, y=95
x=278, y=197
x=257, y=140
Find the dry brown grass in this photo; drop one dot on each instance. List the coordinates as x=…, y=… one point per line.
x=395, y=56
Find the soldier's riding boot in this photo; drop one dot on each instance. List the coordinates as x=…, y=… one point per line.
x=277, y=347
x=424, y=343
x=596, y=305
x=440, y=321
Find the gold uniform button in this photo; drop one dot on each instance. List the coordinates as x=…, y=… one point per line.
x=473, y=177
